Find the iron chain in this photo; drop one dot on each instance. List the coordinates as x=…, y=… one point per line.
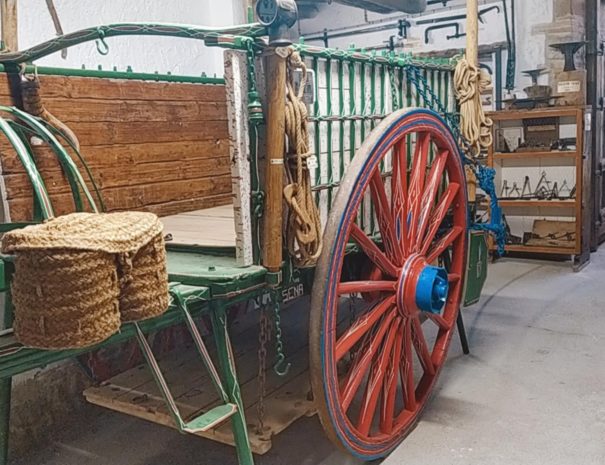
x=264, y=336
x=280, y=367
x=394, y=96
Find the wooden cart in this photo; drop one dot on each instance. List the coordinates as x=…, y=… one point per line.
x=389, y=180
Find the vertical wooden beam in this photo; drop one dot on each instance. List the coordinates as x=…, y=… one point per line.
x=274, y=170
x=8, y=14
x=236, y=81
x=472, y=32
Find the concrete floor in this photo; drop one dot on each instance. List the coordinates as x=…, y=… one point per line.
x=532, y=392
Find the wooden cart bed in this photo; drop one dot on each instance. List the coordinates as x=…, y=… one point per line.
x=135, y=392
x=212, y=227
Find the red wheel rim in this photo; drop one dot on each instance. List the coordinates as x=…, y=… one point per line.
x=372, y=375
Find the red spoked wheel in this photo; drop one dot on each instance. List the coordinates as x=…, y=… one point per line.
x=375, y=363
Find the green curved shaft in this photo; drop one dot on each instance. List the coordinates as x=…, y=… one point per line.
x=91, y=179
x=129, y=29
x=75, y=178
x=40, y=193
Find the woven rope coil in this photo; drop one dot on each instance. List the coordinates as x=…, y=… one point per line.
x=144, y=294
x=120, y=232
x=78, y=277
x=67, y=300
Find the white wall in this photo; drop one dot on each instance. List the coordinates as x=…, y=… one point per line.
x=144, y=54
x=530, y=48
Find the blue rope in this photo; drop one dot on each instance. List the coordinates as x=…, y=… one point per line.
x=485, y=178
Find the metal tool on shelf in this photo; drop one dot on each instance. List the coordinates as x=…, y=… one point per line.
x=569, y=49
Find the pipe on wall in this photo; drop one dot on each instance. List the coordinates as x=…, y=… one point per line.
x=380, y=6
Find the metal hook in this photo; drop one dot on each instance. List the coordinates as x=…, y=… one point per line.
x=279, y=368
x=102, y=46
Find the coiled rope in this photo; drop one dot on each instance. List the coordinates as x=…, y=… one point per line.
x=303, y=233
x=469, y=82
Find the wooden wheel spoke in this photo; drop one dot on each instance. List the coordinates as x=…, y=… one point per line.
x=373, y=371
x=375, y=383
x=361, y=326
x=444, y=243
x=362, y=365
x=358, y=287
x=439, y=215
x=389, y=393
x=407, y=368
x=438, y=320
x=428, y=198
x=417, y=184
x=372, y=251
x=399, y=189
x=385, y=218
x=421, y=347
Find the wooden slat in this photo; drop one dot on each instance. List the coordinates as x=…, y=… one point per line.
x=172, y=208
x=72, y=87
x=22, y=209
x=135, y=197
x=144, y=132
x=18, y=184
x=119, y=89
x=123, y=154
x=91, y=110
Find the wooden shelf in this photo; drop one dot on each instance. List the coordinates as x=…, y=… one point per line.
x=538, y=203
x=537, y=249
x=508, y=115
x=530, y=155
x=525, y=207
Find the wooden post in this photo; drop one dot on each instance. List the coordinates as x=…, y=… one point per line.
x=8, y=14
x=274, y=171
x=472, y=32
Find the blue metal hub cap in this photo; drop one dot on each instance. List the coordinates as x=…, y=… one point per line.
x=431, y=289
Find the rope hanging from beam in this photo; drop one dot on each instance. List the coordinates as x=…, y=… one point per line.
x=303, y=232
x=475, y=126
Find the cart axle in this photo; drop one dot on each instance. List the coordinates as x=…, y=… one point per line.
x=421, y=287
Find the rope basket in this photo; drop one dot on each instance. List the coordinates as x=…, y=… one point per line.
x=65, y=300
x=144, y=290
x=79, y=276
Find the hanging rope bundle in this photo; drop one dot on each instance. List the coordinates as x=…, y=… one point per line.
x=469, y=82
x=32, y=103
x=303, y=234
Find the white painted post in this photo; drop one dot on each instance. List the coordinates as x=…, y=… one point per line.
x=236, y=81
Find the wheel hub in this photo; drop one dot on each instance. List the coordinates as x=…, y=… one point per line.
x=421, y=287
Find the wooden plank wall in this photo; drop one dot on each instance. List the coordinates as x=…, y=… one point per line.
x=152, y=146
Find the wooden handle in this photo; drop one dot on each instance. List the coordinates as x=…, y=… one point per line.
x=472, y=32
x=8, y=14
x=274, y=171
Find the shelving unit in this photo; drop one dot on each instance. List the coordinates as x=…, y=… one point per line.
x=517, y=164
